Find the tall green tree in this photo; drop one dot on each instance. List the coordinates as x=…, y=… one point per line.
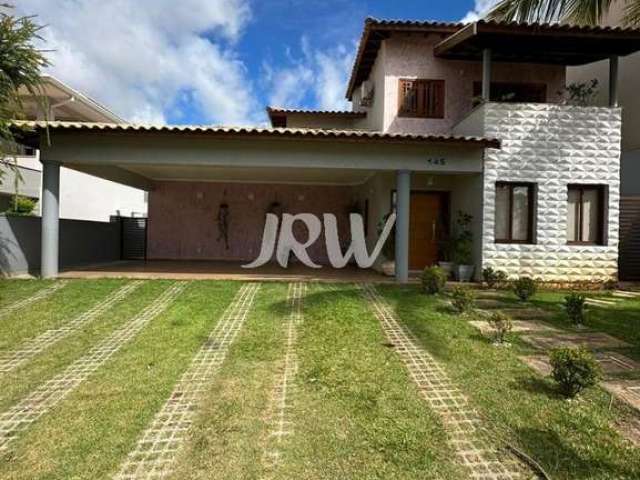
x=21, y=63
x=580, y=12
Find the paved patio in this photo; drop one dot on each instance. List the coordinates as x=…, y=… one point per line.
x=225, y=270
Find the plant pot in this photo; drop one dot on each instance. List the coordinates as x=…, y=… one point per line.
x=388, y=267
x=464, y=273
x=447, y=267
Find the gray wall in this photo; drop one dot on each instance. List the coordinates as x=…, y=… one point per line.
x=81, y=243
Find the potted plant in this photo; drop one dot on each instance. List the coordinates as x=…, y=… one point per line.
x=463, y=247
x=388, y=266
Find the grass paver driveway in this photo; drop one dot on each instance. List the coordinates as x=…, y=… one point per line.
x=309, y=387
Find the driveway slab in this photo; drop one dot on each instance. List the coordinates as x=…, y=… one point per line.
x=626, y=390
x=612, y=363
x=519, y=326
x=591, y=341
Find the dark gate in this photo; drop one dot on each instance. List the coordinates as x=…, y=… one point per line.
x=133, y=235
x=629, y=249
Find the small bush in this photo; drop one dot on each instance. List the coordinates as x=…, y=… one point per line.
x=525, y=288
x=433, y=280
x=502, y=324
x=493, y=277
x=463, y=299
x=22, y=206
x=574, y=369
x=574, y=305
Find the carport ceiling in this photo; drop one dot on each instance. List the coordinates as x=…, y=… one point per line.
x=250, y=175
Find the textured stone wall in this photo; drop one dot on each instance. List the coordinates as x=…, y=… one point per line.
x=553, y=146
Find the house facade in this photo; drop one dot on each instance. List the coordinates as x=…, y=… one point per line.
x=82, y=196
x=446, y=118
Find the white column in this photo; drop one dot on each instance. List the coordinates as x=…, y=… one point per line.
x=50, y=219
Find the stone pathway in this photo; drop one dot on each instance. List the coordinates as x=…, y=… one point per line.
x=589, y=340
x=37, y=296
x=474, y=447
x=13, y=359
x=154, y=455
x=626, y=390
x=519, y=326
x=284, y=392
x=612, y=363
x=48, y=395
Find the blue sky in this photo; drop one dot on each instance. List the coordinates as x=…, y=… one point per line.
x=216, y=61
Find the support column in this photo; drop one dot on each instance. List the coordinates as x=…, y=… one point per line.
x=50, y=219
x=613, y=81
x=486, y=74
x=403, y=199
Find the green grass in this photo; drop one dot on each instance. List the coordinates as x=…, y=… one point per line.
x=53, y=311
x=570, y=439
x=14, y=290
x=92, y=430
x=356, y=414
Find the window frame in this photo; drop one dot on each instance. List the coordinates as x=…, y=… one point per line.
x=438, y=115
x=600, y=189
x=531, y=192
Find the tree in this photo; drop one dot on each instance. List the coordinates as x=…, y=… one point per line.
x=579, y=12
x=20, y=70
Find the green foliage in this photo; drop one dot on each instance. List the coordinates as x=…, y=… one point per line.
x=582, y=94
x=575, y=306
x=463, y=299
x=20, y=66
x=22, y=205
x=525, y=288
x=433, y=280
x=580, y=12
x=493, y=277
x=463, y=241
x=574, y=369
x=502, y=324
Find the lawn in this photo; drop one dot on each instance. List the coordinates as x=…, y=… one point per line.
x=349, y=410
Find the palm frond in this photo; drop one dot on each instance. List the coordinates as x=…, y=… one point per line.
x=581, y=12
x=632, y=14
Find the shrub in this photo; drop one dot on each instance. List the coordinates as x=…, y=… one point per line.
x=22, y=205
x=433, y=280
x=502, y=324
x=574, y=369
x=525, y=288
x=463, y=299
x=574, y=304
x=493, y=277
x=463, y=241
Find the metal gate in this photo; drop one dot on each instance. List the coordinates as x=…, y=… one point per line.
x=133, y=237
x=629, y=249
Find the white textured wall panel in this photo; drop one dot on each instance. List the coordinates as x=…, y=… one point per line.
x=553, y=146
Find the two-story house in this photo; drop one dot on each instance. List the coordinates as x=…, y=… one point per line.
x=83, y=196
x=446, y=118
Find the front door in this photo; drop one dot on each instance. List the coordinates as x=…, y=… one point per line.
x=425, y=223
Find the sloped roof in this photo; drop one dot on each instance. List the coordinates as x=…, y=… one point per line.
x=255, y=132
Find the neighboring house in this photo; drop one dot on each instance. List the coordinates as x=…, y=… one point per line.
x=629, y=101
x=83, y=196
x=446, y=118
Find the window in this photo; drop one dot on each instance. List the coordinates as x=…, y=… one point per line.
x=585, y=214
x=514, y=212
x=514, y=92
x=421, y=98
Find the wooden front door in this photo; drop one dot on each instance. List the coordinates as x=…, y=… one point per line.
x=425, y=222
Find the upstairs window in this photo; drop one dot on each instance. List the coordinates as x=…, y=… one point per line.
x=585, y=215
x=511, y=92
x=514, y=212
x=421, y=98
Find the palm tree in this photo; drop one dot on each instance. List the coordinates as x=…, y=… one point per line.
x=580, y=12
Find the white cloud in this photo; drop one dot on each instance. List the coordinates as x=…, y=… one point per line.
x=318, y=78
x=139, y=57
x=480, y=9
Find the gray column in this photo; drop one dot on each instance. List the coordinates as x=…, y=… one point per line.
x=50, y=219
x=403, y=199
x=486, y=74
x=613, y=81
